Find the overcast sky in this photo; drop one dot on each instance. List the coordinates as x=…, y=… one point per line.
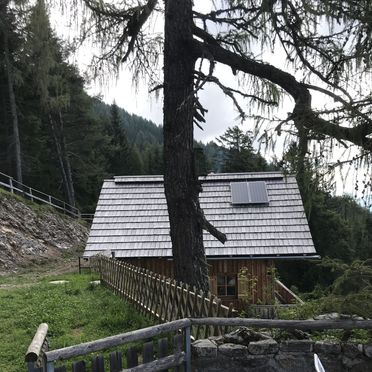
x=221, y=113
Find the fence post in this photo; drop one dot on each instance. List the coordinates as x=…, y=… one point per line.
x=30, y=191
x=11, y=184
x=50, y=199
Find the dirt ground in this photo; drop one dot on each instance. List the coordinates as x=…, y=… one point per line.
x=32, y=274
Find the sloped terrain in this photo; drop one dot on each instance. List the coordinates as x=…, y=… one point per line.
x=32, y=234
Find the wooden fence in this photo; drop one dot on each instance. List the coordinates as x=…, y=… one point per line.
x=15, y=187
x=40, y=359
x=172, y=351
x=161, y=298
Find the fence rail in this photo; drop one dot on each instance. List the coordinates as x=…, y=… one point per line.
x=28, y=192
x=161, y=298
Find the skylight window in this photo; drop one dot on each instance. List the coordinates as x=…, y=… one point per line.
x=249, y=193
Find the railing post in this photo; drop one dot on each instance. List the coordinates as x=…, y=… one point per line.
x=11, y=185
x=187, y=348
x=31, y=197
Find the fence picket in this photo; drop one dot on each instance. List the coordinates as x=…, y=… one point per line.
x=148, y=352
x=115, y=361
x=98, y=364
x=161, y=298
x=79, y=366
x=132, y=357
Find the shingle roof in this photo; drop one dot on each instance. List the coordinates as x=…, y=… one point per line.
x=132, y=219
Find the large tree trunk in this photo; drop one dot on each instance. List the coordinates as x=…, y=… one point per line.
x=13, y=109
x=181, y=184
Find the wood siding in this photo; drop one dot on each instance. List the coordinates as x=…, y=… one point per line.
x=255, y=282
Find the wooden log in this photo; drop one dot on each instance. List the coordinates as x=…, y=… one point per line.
x=33, y=351
x=112, y=341
x=160, y=364
x=285, y=324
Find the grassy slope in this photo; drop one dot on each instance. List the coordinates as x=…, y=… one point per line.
x=75, y=312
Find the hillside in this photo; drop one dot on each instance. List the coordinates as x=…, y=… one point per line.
x=32, y=234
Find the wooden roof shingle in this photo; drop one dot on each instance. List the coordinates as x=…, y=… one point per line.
x=131, y=218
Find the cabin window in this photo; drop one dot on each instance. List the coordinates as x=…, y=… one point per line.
x=226, y=285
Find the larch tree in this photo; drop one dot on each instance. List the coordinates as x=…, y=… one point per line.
x=327, y=48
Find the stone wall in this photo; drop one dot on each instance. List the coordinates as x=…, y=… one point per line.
x=270, y=356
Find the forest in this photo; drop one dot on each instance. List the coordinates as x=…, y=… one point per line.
x=56, y=138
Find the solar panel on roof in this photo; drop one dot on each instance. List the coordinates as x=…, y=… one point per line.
x=258, y=192
x=249, y=192
x=239, y=193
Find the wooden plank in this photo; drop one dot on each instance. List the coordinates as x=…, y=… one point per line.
x=79, y=366
x=98, y=364
x=163, y=350
x=160, y=364
x=105, y=343
x=177, y=348
x=173, y=309
x=58, y=369
x=285, y=324
x=148, y=352
x=115, y=361
x=154, y=296
x=132, y=357
x=36, y=344
x=208, y=330
x=163, y=299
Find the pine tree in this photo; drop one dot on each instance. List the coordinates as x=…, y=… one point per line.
x=239, y=155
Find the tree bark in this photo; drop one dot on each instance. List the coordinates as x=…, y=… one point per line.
x=180, y=181
x=13, y=109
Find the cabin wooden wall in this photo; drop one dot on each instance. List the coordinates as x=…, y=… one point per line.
x=255, y=279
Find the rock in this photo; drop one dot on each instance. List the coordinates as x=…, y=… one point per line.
x=233, y=350
x=305, y=346
x=32, y=235
x=263, y=347
x=322, y=347
x=244, y=336
x=367, y=350
x=337, y=316
x=352, y=350
x=204, y=349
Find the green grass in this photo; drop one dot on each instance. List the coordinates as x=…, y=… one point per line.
x=75, y=312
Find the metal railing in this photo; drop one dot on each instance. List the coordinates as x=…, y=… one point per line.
x=16, y=187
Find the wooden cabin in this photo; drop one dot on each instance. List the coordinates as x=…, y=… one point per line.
x=261, y=214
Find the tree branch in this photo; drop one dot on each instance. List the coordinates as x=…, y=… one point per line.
x=302, y=112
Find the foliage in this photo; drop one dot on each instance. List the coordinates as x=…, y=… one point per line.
x=75, y=312
x=350, y=293
x=238, y=152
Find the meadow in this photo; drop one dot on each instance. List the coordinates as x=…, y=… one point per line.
x=76, y=311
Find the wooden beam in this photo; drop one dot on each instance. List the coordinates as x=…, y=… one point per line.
x=108, y=342
x=285, y=324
